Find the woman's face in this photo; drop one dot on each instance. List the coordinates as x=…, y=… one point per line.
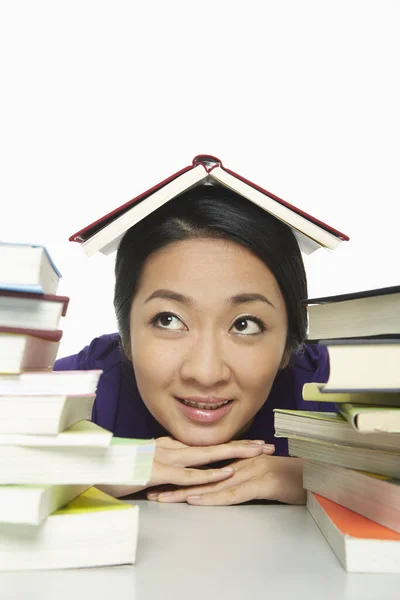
x=208, y=331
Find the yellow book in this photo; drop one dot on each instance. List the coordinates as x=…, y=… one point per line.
x=92, y=530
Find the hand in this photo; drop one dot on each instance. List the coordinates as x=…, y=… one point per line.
x=173, y=463
x=258, y=478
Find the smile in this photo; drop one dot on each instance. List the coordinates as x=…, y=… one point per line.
x=204, y=405
x=209, y=410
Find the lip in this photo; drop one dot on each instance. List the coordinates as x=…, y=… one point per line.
x=204, y=415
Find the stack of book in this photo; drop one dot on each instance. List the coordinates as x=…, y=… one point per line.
x=51, y=454
x=352, y=456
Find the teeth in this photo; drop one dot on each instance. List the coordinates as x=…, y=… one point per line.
x=204, y=406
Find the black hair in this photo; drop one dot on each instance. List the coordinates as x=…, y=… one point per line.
x=214, y=212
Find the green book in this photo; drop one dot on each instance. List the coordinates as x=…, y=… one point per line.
x=315, y=392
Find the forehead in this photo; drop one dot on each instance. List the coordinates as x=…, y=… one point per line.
x=198, y=266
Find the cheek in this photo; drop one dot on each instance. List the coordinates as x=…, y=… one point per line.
x=256, y=370
x=155, y=364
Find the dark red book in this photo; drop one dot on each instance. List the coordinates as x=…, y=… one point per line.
x=44, y=334
x=105, y=233
x=31, y=310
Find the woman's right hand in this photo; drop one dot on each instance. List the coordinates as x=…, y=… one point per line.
x=174, y=463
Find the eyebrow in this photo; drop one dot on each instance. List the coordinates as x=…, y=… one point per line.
x=243, y=298
x=233, y=301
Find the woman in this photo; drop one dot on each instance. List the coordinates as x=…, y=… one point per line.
x=211, y=339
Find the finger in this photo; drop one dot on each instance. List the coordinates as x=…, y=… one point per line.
x=233, y=495
x=181, y=494
x=153, y=492
x=190, y=477
x=204, y=455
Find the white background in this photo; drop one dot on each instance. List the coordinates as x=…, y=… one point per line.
x=101, y=100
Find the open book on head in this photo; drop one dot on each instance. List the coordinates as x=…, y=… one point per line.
x=104, y=234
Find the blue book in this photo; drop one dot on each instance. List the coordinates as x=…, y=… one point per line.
x=27, y=268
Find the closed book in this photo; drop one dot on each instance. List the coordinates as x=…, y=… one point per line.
x=105, y=233
x=380, y=462
x=363, y=364
x=27, y=268
x=361, y=545
x=20, y=353
x=69, y=383
x=329, y=427
x=42, y=414
x=32, y=311
x=31, y=504
x=82, y=434
x=373, y=496
x=358, y=314
x=92, y=530
x=369, y=419
x=316, y=392
x=124, y=462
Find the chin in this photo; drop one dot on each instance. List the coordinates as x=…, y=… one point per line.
x=202, y=436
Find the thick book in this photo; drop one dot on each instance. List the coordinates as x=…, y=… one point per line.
x=369, y=419
x=105, y=233
x=124, y=462
x=27, y=268
x=68, y=383
x=315, y=392
x=363, y=364
x=92, y=530
x=380, y=462
x=32, y=311
x=361, y=545
x=53, y=335
x=20, y=353
x=42, y=414
x=359, y=314
x=83, y=434
x=329, y=427
x=373, y=496
x=31, y=504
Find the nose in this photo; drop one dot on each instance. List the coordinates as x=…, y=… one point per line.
x=204, y=362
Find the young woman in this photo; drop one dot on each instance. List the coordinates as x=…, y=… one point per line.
x=211, y=339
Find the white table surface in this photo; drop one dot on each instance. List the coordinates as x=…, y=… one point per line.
x=204, y=553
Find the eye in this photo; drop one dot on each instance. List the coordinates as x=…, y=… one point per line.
x=247, y=325
x=169, y=321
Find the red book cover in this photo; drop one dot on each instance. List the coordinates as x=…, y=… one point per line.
x=354, y=525
x=44, y=334
x=209, y=162
x=38, y=296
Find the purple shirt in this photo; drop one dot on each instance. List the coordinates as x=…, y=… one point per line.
x=119, y=407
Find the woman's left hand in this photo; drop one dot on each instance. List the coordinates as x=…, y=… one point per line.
x=260, y=478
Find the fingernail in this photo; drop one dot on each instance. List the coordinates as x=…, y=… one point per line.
x=152, y=496
x=227, y=470
x=256, y=442
x=193, y=498
x=268, y=448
